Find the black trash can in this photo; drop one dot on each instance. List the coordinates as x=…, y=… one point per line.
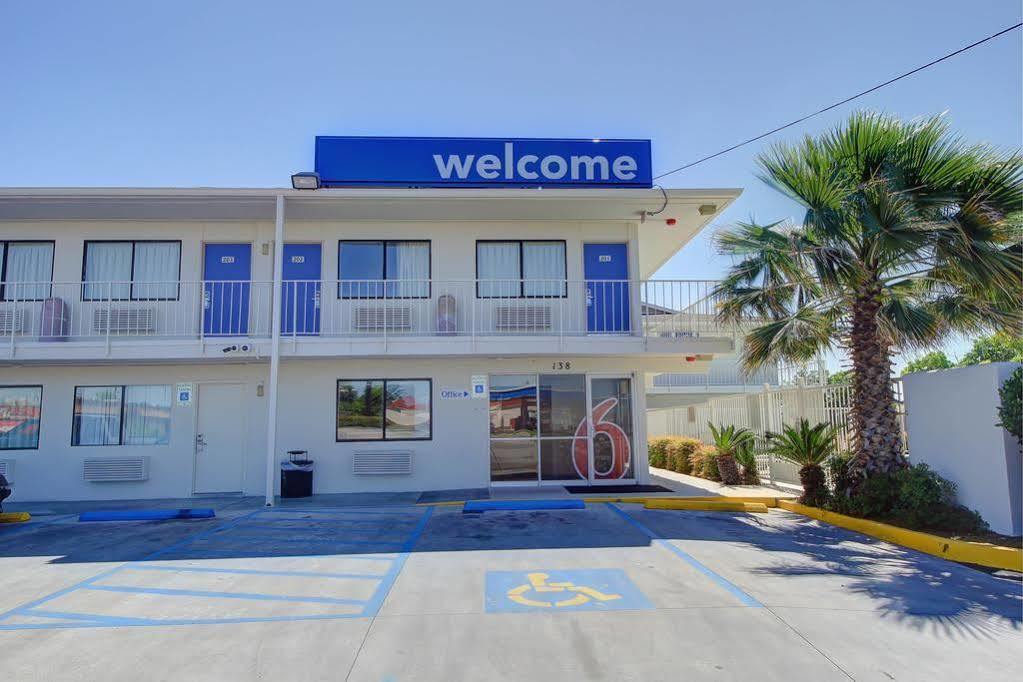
x=297, y=474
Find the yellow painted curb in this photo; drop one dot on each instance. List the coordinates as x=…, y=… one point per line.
x=14, y=517
x=698, y=505
x=980, y=553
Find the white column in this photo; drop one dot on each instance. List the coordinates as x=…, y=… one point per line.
x=275, y=354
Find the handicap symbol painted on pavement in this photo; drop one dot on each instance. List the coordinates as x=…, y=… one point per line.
x=553, y=591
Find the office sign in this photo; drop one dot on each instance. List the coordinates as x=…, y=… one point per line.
x=482, y=162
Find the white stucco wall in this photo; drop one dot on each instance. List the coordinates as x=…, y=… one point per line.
x=456, y=457
x=950, y=420
x=54, y=470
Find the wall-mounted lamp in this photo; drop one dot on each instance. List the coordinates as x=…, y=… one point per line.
x=708, y=209
x=305, y=180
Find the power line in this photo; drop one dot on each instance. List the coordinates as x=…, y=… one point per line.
x=838, y=104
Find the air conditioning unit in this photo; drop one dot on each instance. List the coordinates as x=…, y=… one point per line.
x=7, y=470
x=106, y=469
x=12, y=321
x=381, y=318
x=124, y=320
x=522, y=318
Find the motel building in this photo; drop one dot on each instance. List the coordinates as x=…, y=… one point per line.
x=418, y=314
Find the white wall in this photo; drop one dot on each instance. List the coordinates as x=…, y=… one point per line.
x=456, y=457
x=54, y=470
x=950, y=421
x=453, y=245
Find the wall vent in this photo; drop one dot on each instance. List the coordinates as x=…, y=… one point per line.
x=398, y=463
x=380, y=319
x=103, y=469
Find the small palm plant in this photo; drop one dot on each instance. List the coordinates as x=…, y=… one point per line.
x=727, y=441
x=746, y=456
x=809, y=447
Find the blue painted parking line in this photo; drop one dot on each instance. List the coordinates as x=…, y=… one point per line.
x=688, y=558
x=89, y=617
x=307, y=541
x=253, y=571
x=256, y=596
x=218, y=536
x=377, y=600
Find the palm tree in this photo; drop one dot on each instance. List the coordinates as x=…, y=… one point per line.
x=907, y=238
x=746, y=457
x=728, y=440
x=808, y=447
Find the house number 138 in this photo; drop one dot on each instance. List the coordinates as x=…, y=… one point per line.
x=561, y=364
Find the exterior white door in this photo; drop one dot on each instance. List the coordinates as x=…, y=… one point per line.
x=220, y=438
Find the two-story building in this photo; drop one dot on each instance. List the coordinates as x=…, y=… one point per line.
x=177, y=342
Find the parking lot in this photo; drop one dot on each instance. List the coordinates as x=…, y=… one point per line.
x=405, y=592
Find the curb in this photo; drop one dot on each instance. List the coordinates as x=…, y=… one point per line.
x=698, y=505
x=979, y=553
x=14, y=517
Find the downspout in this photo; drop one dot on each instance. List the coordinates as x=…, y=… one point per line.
x=275, y=353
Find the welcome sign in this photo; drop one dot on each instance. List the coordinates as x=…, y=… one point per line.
x=482, y=162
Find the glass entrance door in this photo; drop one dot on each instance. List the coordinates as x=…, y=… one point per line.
x=560, y=429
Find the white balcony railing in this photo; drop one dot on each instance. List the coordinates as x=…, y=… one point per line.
x=75, y=311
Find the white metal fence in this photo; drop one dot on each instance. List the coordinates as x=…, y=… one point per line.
x=766, y=411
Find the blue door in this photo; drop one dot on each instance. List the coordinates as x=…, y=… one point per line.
x=300, y=293
x=606, y=270
x=227, y=271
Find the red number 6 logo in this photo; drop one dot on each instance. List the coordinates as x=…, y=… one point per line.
x=620, y=451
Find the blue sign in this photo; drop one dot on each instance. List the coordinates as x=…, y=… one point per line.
x=482, y=162
x=598, y=589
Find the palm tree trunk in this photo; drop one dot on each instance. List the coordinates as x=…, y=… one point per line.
x=876, y=434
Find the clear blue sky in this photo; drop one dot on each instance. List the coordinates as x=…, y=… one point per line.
x=190, y=93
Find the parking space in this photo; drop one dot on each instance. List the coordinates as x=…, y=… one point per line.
x=611, y=592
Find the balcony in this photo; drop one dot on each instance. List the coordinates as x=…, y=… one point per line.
x=233, y=319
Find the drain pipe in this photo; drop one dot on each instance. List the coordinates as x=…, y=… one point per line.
x=275, y=354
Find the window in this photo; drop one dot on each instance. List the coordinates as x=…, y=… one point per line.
x=384, y=409
x=26, y=269
x=383, y=269
x=121, y=415
x=20, y=407
x=131, y=270
x=520, y=269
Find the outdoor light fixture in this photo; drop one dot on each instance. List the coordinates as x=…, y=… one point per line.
x=708, y=209
x=305, y=180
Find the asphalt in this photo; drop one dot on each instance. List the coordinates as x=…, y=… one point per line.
x=384, y=590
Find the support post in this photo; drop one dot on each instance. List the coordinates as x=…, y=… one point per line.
x=275, y=353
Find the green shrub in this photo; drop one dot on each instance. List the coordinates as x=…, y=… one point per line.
x=658, y=449
x=915, y=497
x=1010, y=412
x=842, y=479
x=680, y=454
x=705, y=463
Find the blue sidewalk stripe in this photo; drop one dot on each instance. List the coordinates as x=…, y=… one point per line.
x=688, y=558
x=253, y=596
x=145, y=514
x=520, y=505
